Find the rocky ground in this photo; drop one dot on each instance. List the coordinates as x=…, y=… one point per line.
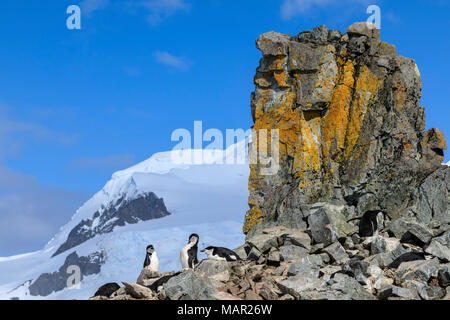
x=288, y=264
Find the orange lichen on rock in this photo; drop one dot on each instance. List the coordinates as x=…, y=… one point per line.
x=350, y=126
x=336, y=120
x=367, y=86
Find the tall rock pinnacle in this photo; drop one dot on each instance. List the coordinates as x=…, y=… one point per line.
x=351, y=128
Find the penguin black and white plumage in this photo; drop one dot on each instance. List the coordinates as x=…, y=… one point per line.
x=188, y=254
x=221, y=254
x=161, y=281
x=369, y=223
x=107, y=290
x=151, y=261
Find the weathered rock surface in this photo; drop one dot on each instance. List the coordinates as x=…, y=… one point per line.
x=351, y=133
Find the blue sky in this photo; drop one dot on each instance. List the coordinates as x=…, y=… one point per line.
x=76, y=105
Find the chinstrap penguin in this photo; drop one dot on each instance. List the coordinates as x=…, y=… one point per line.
x=188, y=254
x=151, y=261
x=107, y=290
x=220, y=254
x=370, y=223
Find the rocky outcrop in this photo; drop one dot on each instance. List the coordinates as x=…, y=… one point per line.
x=351, y=131
x=48, y=283
x=360, y=207
x=352, y=268
x=123, y=211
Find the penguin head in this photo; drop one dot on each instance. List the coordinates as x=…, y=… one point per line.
x=208, y=251
x=193, y=238
x=150, y=249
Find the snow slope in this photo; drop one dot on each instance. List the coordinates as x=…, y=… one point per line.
x=206, y=199
x=447, y=164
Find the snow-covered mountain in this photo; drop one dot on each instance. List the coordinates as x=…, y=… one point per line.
x=447, y=164
x=155, y=202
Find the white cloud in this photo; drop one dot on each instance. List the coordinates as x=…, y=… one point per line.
x=89, y=6
x=167, y=59
x=107, y=163
x=161, y=9
x=293, y=8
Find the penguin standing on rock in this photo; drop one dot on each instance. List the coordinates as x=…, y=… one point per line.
x=151, y=261
x=221, y=254
x=188, y=254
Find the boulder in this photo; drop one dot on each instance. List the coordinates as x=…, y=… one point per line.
x=188, y=285
x=337, y=252
x=139, y=292
x=439, y=250
x=145, y=275
x=263, y=242
x=404, y=293
x=214, y=270
x=299, y=286
x=297, y=238
x=408, y=229
x=307, y=267
x=350, y=288
x=421, y=270
x=444, y=276
x=328, y=223
x=292, y=253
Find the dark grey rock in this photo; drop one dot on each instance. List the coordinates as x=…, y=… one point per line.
x=322, y=217
x=350, y=288
x=48, y=283
x=263, y=242
x=254, y=254
x=378, y=245
x=303, y=288
x=189, y=286
x=431, y=293
x=385, y=292
x=307, y=267
x=421, y=270
x=337, y=252
x=408, y=229
x=439, y=250
x=444, y=276
x=297, y=238
x=404, y=293
x=432, y=198
x=292, y=253
x=214, y=270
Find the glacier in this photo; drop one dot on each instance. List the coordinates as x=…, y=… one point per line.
x=208, y=199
